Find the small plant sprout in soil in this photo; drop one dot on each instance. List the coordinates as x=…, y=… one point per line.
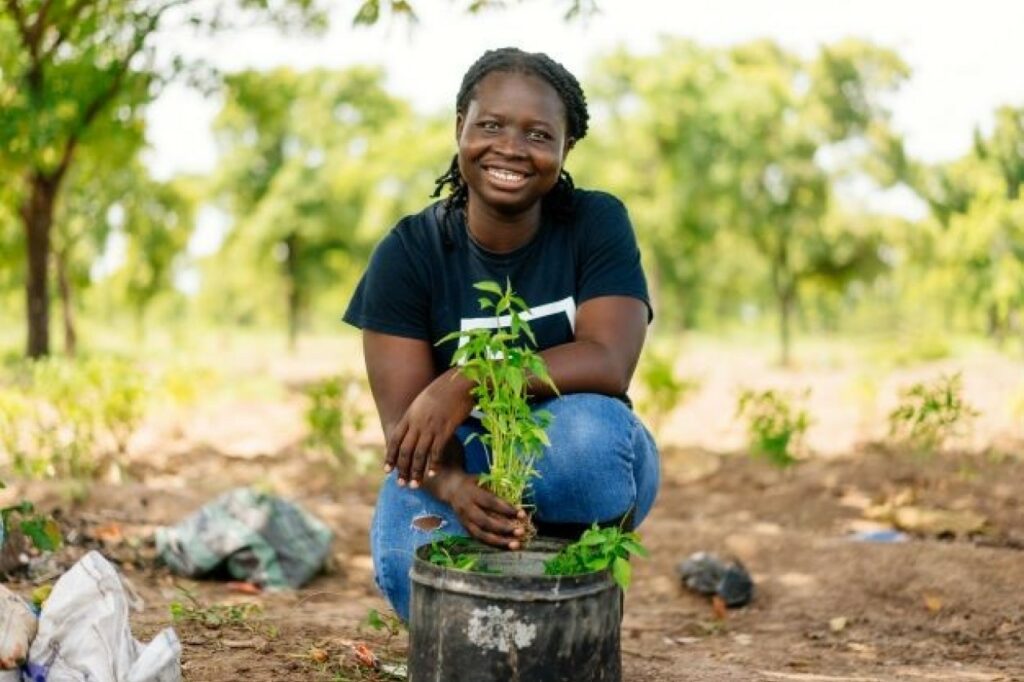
x=775, y=425
x=501, y=365
x=931, y=414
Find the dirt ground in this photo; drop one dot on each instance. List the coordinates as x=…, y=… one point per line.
x=946, y=604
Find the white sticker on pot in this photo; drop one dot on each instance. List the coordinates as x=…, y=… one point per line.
x=493, y=628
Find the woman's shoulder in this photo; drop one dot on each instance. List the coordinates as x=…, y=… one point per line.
x=589, y=203
x=416, y=231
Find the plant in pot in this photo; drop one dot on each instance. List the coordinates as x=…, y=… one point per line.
x=549, y=612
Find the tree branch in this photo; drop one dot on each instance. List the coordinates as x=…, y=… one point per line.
x=110, y=92
x=39, y=25
x=63, y=31
x=19, y=21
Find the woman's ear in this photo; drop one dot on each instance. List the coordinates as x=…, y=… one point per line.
x=570, y=142
x=459, y=120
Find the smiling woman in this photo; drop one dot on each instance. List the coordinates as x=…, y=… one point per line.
x=511, y=215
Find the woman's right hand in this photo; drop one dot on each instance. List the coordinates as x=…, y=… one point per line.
x=485, y=516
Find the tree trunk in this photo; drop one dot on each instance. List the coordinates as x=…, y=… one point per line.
x=294, y=293
x=787, y=298
x=37, y=217
x=784, y=286
x=64, y=290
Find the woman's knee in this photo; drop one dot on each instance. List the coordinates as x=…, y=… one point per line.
x=586, y=427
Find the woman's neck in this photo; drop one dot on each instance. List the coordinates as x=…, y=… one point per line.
x=498, y=232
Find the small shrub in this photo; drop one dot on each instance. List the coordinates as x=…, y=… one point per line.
x=334, y=416
x=500, y=366
x=599, y=549
x=929, y=415
x=774, y=425
x=663, y=390
x=62, y=418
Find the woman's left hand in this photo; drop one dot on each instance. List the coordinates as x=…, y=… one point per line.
x=418, y=439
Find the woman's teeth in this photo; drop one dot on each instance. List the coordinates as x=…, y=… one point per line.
x=504, y=175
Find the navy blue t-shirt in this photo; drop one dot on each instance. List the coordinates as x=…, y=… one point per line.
x=419, y=283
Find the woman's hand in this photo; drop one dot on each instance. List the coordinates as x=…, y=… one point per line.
x=487, y=517
x=418, y=439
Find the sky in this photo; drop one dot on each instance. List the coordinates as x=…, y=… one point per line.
x=966, y=56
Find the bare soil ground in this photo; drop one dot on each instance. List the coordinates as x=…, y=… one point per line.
x=945, y=605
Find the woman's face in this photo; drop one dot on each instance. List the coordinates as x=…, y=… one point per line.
x=512, y=141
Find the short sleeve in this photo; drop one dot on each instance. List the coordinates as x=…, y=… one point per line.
x=393, y=295
x=609, y=258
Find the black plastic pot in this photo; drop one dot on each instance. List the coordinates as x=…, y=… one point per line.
x=517, y=625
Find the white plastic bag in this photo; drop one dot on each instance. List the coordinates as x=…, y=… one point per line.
x=17, y=628
x=84, y=634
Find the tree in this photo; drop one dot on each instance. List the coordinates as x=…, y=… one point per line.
x=739, y=144
x=314, y=166
x=77, y=72
x=977, y=208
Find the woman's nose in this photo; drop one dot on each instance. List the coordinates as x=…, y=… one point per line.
x=511, y=143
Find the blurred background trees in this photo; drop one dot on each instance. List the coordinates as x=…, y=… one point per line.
x=736, y=164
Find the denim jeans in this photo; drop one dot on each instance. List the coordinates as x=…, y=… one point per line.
x=601, y=465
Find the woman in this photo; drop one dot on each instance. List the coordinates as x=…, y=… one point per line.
x=513, y=214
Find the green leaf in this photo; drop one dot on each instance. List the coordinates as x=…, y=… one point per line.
x=489, y=286
x=44, y=533
x=621, y=572
x=636, y=548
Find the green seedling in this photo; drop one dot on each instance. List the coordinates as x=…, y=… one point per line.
x=447, y=551
x=387, y=623
x=774, y=425
x=599, y=549
x=501, y=367
x=929, y=415
x=214, y=616
x=663, y=390
x=334, y=417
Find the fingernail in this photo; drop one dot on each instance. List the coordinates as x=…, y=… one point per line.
x=401, y=482
x=387, y=468
x=414, y=483
x=513, y=545
x=517, y=531
x=431, y=472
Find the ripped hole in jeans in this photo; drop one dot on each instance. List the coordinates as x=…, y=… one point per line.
x=427, y=523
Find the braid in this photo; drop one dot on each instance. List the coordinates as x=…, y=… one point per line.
x=560, y=199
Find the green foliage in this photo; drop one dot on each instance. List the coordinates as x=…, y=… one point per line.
x=388, y=623
x=514, y=435
x=334, y=416
x=663, y=389
x=190, y=609
x=599, y=549
x=774, y=424
x=63, y=418
x=735, y=200
x=449, y=551
x=930, y=414
x=41, y=530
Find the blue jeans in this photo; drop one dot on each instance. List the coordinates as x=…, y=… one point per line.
x=601, y=465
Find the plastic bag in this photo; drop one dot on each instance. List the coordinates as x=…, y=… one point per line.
x=17, y=628
x=84, y=634
x=256, y=537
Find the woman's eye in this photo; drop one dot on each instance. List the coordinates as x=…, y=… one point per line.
x=538, y=136
x=489, y=125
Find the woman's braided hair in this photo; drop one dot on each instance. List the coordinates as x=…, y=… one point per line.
x=509, y=59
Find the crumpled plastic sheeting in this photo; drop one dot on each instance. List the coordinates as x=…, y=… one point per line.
x=18, y=626
x=84, y=634
x=258, y=538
